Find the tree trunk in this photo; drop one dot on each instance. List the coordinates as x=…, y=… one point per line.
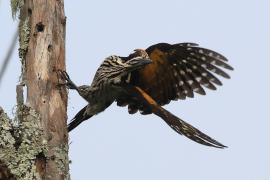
x=46, y=54
x=42, y=52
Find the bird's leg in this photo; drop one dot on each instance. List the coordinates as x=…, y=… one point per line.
x=70, y=84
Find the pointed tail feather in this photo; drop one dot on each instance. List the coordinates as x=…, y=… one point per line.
x=78, y=119
x=183, y=128
x=180, y=126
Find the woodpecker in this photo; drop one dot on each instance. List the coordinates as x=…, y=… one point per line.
x=148, y=79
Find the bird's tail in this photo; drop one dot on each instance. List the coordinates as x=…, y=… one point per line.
x=183, y=128
x=78, y=119
x=177, y=124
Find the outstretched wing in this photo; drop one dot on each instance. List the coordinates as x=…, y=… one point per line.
x=174, y=122
x=179, y=70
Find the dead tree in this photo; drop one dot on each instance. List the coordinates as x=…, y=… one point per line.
x=35, y=144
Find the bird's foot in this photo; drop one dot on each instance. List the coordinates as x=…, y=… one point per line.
x=68, y=83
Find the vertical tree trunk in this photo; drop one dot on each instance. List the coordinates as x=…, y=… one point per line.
x=37, y=148
x=45, y=55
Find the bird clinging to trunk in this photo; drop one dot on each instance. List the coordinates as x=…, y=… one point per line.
x=148, y=79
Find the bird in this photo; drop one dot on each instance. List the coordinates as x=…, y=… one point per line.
x=150, y=78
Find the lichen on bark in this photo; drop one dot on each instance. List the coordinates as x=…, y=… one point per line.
x=15, y=7
x=24, y=30
x=24, y=37
x=34, y=145
x=61, y=158
x=21, y=144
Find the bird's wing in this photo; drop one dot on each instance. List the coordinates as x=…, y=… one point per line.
x=174, y=122
x=179, y=70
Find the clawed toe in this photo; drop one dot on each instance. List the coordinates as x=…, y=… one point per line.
x=64, y=76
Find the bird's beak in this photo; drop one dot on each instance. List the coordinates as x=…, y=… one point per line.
x=146, y=61
x=140, y=62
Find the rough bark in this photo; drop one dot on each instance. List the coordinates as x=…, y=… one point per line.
x=36, y=147
x=46, y=54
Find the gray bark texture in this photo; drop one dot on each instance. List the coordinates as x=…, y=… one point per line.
x=35, y=144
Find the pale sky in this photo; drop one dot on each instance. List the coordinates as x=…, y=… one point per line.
x=117, y=146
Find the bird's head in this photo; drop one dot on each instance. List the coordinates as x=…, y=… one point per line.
x=116, y=68
x=137, y=59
